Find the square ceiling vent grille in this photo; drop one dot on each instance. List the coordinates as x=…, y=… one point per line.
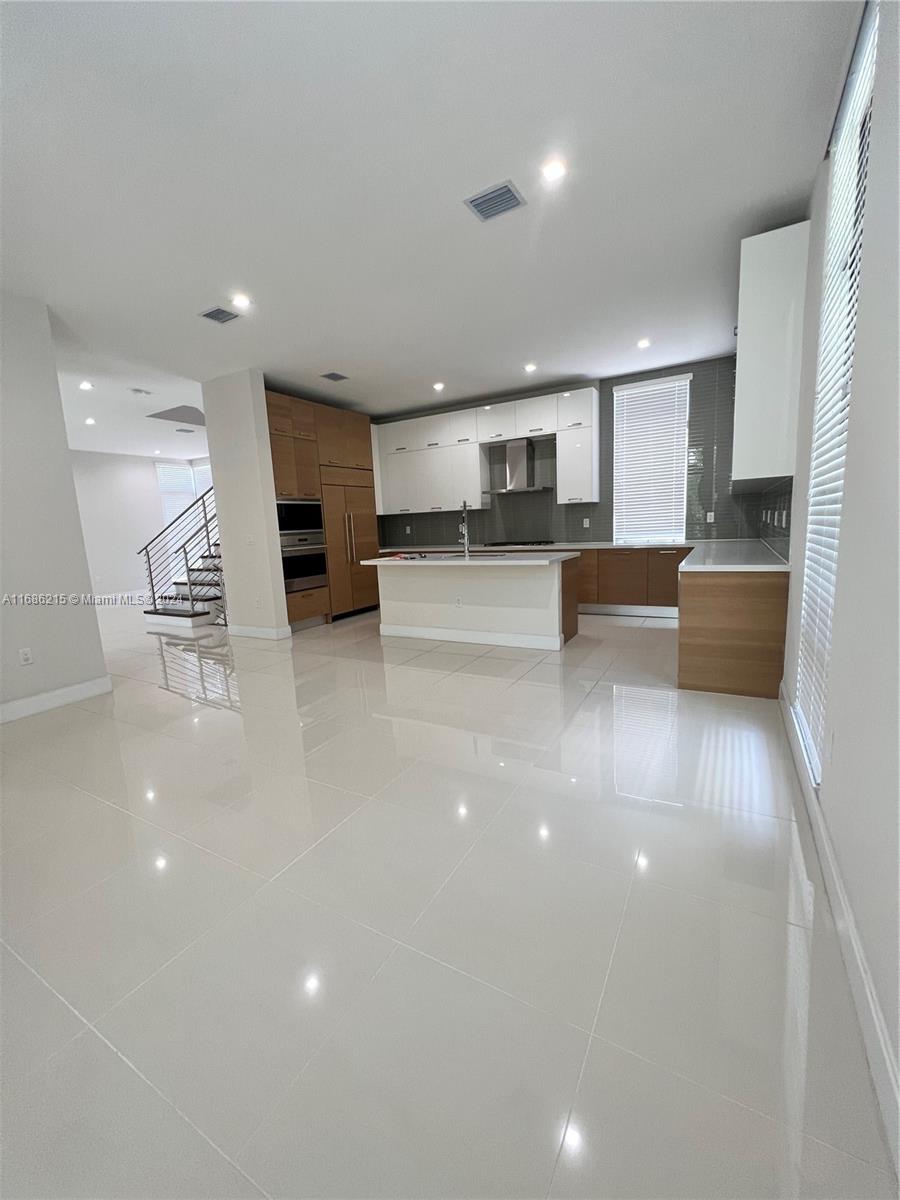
x=495, y=201
x=334, y=376
x=221, y=316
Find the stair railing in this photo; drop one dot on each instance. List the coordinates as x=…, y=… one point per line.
x=177, y=549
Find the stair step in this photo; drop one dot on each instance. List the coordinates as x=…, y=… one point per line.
x=207, y=596
x=175, y=612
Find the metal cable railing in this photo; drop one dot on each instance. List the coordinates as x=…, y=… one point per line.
x=184, y=570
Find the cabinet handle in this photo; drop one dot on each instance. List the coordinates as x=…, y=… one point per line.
x=571, y=498
x=463, y=439
x=537, y=429
x=574, y=424
x=403, y=510
x=436, y=508
x=352, y=539
x=347, y=536
x=432, y=443
x=493, y=435
x=396, y=448
x=667, y=552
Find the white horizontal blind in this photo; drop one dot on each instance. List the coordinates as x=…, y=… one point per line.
x=176, y=488
x=202, y=477
x=834, y=374
x=650, y=460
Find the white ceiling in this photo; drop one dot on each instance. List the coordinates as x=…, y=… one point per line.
x=159, y=156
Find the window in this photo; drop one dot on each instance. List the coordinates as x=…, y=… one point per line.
x=202, y=476
x=176, y=488
x=834, y=374
x=650, y=460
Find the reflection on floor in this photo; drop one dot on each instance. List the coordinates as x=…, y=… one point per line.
x=413, y=918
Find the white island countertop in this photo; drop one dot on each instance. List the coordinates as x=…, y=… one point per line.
x=740, y=555
x=413, y=558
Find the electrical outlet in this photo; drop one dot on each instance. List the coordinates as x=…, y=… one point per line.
x=408, y=530
x=258, y=602
x=459, y=601
x=251, y=540
x=585, y=522
x=26, y=658
x=710, y=518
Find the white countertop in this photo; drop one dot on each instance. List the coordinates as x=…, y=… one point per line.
x=735, y=554
x=748, y=555
x=457, y=559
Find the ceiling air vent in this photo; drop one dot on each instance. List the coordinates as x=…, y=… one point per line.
x=221, y=316
x=495, y=201
x=334, y=376
x=141, y=392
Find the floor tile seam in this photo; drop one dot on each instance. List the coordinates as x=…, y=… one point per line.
x=587, y=1051
x=216, y=924
x=348, y=1012
x=729, y=904
x=711, y=1091
x=475, y=841
x=365, y=802
x=90, y=1026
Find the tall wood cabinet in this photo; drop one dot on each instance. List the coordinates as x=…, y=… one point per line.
x=351, y=534
x=344, y=438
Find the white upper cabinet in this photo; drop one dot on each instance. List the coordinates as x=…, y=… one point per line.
x=427, y=433
x=454, y=474
x=535, y=415
x=770, y=340
x=401, y=479
x=496, y=421
x=397, y=436
x=577, y=466
x=577, y=409
x=463, y=427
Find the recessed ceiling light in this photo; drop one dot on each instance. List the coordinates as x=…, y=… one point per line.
x=86, y=385
x=438, y=387
x=487, y=408
x=241, y=301
x=156, y=452
x=567, y=393
x=89, y=421
x=529, y=367
x=553, y=169
x=643, y=343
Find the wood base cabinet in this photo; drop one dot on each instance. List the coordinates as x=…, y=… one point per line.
x=662, y=574
x=351, y=534
x=310, y=603
x=622, y=576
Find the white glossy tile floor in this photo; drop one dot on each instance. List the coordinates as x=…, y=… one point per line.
x=345, y=916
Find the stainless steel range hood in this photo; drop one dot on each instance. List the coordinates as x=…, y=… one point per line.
x=519, y=468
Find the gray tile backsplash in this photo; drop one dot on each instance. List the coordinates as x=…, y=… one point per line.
x=535, y=516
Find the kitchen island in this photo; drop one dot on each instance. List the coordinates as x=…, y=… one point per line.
x=504, y=599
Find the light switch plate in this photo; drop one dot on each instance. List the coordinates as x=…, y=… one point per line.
x=710, y=518
x=585, y=522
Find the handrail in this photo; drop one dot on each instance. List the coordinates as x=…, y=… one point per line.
x=183, y=513
x=180, y=546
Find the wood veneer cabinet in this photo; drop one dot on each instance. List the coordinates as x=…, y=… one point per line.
x=311, y=603
x=731, y=631
x=344, y=437
x=278, y=411
x=284, y=469
x=306, y=469
x=587, y=577
x=662, y=574
x=622, y=576
x=351, y=534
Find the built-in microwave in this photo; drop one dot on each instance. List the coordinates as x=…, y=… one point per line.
x=299, y=516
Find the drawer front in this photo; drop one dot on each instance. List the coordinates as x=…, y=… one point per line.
x=587, y=577
x=303, y=605
x=662, y=574
x=347, y=476
x=622, y=576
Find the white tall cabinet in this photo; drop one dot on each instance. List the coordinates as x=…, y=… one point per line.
x=770, y=340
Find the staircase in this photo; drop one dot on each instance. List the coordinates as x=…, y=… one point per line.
x=184, y=569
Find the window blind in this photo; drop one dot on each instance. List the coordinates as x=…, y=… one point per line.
x=202, y=477
x=834, y=375
x=176, y=488
x=650, y=460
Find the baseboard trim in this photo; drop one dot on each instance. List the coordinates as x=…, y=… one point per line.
x=260, y=631
x=630, y=610
x=530, y=641
x=29, y=706
x=879, y=1052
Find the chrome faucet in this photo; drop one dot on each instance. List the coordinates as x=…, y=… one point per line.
x=464, y=528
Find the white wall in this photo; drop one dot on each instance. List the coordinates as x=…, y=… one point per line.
x=41, y=545
x=118, y=497
x=858, y=796
x=237, y=432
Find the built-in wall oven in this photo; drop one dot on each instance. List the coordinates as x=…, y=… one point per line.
x=302, y=544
